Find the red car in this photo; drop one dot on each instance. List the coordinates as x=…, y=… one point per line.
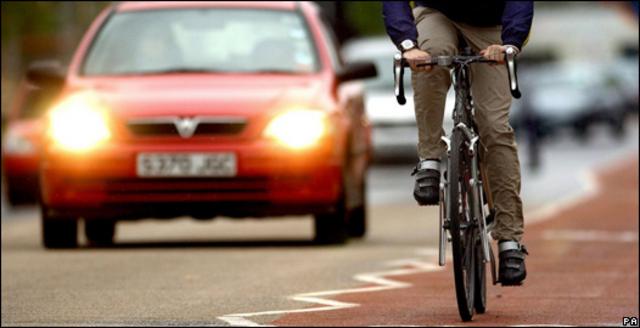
x=21, y=144
x=205, y=109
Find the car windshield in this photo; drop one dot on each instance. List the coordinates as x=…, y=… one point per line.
x=202, y=40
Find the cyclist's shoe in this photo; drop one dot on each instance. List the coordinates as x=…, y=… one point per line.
x=427, y=188
x=512, y=270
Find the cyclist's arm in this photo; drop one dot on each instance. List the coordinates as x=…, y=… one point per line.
x=516, y=23
x=398, y=21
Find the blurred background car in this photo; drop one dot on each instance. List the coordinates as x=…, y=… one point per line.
x=21, y=146
x=22, y=141
x=395, y=133
x=205, y=109
x=573, y=96
x=625, y=70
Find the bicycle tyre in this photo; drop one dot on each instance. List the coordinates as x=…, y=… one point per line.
x=463, y=257
x=480, y=298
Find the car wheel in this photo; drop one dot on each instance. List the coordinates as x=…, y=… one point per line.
x=617, y=128
x=20, y=196
x=100, y=232
x=581, y=131
x=331, y=228
x=59, y=232
x=357, y=224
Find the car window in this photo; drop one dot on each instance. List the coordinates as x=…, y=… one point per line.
x=206, y=39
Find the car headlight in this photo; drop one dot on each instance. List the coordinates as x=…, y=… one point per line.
x=78, y=123
x=298, y=129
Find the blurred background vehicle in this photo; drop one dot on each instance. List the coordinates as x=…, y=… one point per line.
x=570, y=95
x=205, y=109
x=21, y=145
x=395, y=132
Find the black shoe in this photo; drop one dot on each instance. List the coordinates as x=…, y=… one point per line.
x=512, y=270
x=427, y=188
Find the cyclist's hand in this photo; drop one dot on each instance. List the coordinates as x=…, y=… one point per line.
x=495, y=52
x=417, y=56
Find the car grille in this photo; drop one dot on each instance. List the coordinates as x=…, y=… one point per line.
x=168, y=127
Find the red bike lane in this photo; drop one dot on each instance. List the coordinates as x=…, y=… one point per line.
x=582, y=270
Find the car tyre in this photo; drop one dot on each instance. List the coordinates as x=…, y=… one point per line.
x=20, y=196
x=331, y=228
x=100, y=232
x=59, y=232
x=357, y=224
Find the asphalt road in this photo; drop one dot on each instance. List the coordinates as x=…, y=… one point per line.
x=188, y=272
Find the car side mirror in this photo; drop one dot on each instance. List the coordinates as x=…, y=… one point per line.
x=46, y=74
x=357, y=70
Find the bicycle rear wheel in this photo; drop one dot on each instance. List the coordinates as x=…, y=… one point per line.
x=463, y=233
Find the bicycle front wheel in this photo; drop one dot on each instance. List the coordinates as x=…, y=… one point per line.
x=463, y=234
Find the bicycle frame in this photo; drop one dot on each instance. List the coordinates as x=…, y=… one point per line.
x=463, y=121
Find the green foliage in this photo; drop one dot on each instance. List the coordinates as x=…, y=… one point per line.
x=365, y=17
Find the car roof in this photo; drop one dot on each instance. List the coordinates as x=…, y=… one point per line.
x=152, y=5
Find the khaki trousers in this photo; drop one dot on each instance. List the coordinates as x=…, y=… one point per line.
x=489, y=86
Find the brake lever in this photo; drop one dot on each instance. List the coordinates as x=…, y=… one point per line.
x=398, y=78
x=510, y=55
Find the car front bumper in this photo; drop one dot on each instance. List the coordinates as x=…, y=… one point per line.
x=269, y=181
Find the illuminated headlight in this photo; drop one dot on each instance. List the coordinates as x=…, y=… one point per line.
x=298, y=129
x=78, y=123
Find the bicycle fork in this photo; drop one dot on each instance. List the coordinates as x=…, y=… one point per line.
x=478, y=210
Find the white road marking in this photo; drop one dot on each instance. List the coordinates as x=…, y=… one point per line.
x=410, y=266
x=590, y=187
x=592, y=235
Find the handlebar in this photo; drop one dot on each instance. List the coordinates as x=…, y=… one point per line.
x=399, y=63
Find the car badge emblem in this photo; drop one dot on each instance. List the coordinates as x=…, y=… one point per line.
x=186, y=126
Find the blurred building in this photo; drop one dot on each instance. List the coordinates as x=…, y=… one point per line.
x=597, y=31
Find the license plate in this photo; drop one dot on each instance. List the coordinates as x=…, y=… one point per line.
x=186, y=165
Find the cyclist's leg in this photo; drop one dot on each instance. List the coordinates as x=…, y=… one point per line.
x=489, y=84
x=437, y=35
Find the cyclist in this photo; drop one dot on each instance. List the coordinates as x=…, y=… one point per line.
x=433, y=28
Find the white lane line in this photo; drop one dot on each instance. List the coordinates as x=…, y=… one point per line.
x=409, y=266
x=592, y=235
x=590, y=187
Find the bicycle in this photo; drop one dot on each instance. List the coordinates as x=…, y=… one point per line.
x=464, y=191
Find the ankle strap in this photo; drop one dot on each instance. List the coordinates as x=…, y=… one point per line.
x=429, y=164
x=507, y=245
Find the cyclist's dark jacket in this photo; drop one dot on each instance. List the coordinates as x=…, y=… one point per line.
x=514, y=16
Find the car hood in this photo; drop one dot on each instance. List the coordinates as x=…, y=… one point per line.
x=244, y=96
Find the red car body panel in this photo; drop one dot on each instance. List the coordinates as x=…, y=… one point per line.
x=20, y=169
x=270, y=179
